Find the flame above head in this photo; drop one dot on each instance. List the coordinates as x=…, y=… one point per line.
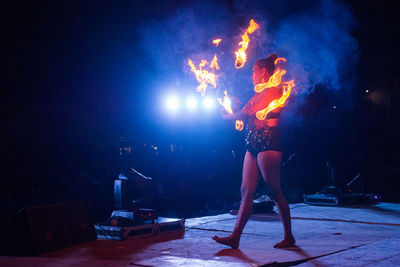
x=241, y=52
x=214, y=63
x=277, y=103
x=276, y=77
x=216, y=42
x=203, y=62
x=203, y=76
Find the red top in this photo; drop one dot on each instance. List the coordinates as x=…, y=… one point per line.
x=259, y=102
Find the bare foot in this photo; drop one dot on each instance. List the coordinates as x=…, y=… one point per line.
x=286, y=243
x=230, y=241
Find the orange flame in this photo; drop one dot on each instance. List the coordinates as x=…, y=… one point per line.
x=226, y=103
x=276, y=77
x=203, y=76
x=214, y=63
x=273, y=81
x=277, y=103
x=239, y=125
x=216, y=42
x=241, y=52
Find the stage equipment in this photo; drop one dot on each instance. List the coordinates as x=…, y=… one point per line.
x=332, y=196
x=126, y=189
x=162, y=225
x=263, y=204
x=35, y=230
x=127, y=212
x=127, y=218
x=120, y=192
x=327, y=197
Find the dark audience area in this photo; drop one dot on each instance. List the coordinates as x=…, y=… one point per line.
x=202, y=177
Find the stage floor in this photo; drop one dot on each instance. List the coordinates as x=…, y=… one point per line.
x=326, y=236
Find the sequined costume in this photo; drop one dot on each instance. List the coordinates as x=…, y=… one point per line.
x=259, y=135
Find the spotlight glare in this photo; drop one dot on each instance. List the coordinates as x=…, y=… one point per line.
x=191, y=103
x=208, y=103
x=172, y=103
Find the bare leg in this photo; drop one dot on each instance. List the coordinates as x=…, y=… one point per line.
x=249, y=184
x=270, y=166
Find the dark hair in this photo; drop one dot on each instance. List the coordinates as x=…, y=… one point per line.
x=268, y=63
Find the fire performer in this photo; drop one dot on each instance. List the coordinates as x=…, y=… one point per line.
x=263, y=153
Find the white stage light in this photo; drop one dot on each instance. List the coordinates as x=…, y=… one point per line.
x=191, y=103
x=172, y=103
x=208, y=102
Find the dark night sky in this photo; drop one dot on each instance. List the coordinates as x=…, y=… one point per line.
x=75, y=69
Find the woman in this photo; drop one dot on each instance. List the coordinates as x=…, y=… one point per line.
x=263, y=153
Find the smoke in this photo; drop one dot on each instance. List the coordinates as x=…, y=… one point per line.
x=315, y=37
x=319, y=45
x=186, y=34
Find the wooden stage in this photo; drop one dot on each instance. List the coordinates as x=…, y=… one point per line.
x=326, y=236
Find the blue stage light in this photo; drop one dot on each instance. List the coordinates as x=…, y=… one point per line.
x=172, y=103
x=208, y=103
x=191, y=103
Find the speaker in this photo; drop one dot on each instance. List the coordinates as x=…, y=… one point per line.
x=39, y=229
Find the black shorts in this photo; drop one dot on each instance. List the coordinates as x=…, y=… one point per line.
x=264, y=139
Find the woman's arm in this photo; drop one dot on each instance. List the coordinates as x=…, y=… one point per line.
x=240, y=115
x=258, y=102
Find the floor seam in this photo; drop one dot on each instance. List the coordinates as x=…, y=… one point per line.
x=294, y=263
x=381, y=260
x=341, y=220
x=224, y=231
x=297, y=262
